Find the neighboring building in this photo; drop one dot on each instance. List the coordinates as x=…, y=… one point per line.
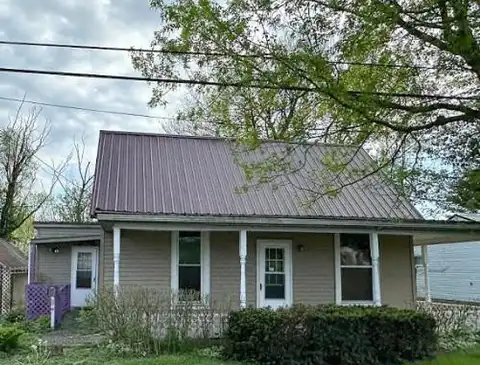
x=13, y=275
x=170, y=217
x=453, y=269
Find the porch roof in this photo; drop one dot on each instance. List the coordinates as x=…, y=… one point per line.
x=423, y=231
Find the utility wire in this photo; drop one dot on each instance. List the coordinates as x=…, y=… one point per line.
x=85, y=109
x=206, y=54
x=227, y=84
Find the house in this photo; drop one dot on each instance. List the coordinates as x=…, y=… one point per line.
x=13, y=275
x=172, y=216
x=452, y=275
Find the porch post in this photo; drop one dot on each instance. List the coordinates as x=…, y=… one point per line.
x=116, y=259
x=243, y=260
x=375, y=252
x=428, y=296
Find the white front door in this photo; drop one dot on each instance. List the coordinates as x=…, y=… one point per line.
x=274, y=273
x=84, y=274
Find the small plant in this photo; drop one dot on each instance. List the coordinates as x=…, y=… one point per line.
x=214, y=352
x=17, y=315
x=39, y=354
x=39, y=325
x=9, y=337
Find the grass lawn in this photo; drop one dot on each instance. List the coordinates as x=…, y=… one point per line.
x=471, y=357
x=96, y=356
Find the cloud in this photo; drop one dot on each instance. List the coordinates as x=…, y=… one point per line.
x=122, y=23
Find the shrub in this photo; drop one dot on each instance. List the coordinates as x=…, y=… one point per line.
x=9, y=336
x=458, y=325
x=148, y=321
x=39, y=325
x=17, y=315
x=330, y=335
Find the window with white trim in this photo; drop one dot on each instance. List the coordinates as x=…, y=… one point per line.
x=356, y=268
x=190, y=275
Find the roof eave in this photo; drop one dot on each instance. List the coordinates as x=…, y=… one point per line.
x=340, y=223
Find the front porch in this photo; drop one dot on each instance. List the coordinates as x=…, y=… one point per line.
x=263, y=268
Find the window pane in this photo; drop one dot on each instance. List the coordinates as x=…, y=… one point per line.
x=357, y=284
x=274, y=286
x=84, y=280
x=189, y=278
x=189, y=248
x=355, y=249
x=84, y=270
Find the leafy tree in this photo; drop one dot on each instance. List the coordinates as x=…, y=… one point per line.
x=21, y=193
x=387, y=75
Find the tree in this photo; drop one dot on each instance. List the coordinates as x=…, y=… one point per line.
x=383, y=74
x=73, y=202
x=21, y=191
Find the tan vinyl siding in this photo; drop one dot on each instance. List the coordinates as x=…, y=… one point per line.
x=54, y=268
x=313, y=269
x=18, y=291
x=396, y=274
x=144, y=259
x=225, y=268
x=59, y=230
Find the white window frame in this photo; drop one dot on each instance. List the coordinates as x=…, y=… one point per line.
x=204, y=262
x=338, y=273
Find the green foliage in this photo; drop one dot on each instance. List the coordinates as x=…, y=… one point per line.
x=9, y=337
x=330, y=335
x=15, y=316
x=466, y=191
x=326, y=71
x=39, y=325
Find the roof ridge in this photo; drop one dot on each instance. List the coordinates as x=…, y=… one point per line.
x=214, y=138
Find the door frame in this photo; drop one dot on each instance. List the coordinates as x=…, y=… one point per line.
x=275, y=243
x=95, y=269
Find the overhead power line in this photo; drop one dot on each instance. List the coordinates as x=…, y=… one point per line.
x=206, y=54
x=226, y=84
x=85, y=109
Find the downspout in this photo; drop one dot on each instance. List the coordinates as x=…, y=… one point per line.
x=32, y=258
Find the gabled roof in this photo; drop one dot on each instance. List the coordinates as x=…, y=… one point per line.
x=139, y=173
x=11, y=256
x=465, y=217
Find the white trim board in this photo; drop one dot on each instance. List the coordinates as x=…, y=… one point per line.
x=288, y=262
x=204, y=262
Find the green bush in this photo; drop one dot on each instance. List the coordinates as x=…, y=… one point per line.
x=39, y=325
x=330, y=335
x=15, y=316
x=9, y=335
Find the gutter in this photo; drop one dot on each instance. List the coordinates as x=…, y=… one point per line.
x=282, y=222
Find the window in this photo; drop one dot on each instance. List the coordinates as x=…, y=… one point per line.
x=418, y=259
x=274, y=273
x=190, y=270
x=356, y=268
x=84, y=270
x=189, y=262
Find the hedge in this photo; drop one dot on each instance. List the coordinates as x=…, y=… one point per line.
x=330, y=335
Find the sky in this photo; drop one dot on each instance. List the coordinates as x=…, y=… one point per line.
x=119, y=23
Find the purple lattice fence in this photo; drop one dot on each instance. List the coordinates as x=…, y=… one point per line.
x=37, y=301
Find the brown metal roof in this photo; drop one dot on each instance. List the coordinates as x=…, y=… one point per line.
x=11, y=256
x=163, y=174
